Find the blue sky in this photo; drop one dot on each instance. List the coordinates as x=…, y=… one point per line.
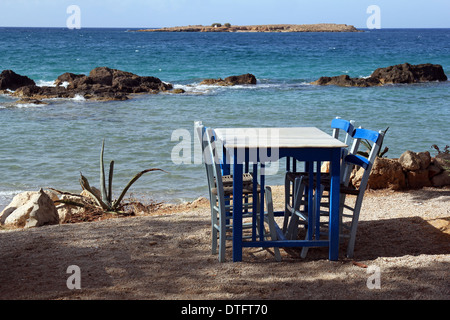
x=161, y=13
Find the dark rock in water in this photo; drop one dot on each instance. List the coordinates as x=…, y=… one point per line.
x=102, y=84
x=12, y=81
x=401, y=73
x=232, y=80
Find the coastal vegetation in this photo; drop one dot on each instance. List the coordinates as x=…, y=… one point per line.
x=103, y=200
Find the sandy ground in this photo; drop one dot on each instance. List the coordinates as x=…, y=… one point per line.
x=403, y=241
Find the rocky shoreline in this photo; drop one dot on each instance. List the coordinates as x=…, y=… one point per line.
x=320, y=27
x=106, y=84
x=102, y=84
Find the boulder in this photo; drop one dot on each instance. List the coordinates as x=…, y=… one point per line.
x=401, y=73
x=407, y=73
x=443, y=161
x=441, y=180
x=231, y=81
x=30, y=209
x=385, y=173
x=12, y=81
x=425, y=159
x=418, y=179
x=410, y=161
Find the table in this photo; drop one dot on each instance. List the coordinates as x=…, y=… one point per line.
x=263, y=145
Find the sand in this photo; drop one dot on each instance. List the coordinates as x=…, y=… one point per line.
x=402, y=252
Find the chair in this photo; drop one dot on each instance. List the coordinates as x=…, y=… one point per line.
x=337, y=125
x=220, y=192
x=352, y=159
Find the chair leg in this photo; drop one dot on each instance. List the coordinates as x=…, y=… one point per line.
x=354, y=225
x=271, y=221
x=213, y=229
x=305, y=249
x=287, y=201
x=222, y=239
x=292, y=228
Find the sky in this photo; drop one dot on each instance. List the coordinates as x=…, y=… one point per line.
x=168, y=13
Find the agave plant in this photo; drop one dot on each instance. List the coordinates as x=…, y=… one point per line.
x=105, y=201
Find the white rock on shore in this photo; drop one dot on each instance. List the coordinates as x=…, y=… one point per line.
x=30, y=209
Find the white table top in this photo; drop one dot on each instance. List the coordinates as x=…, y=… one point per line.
x=295, y=137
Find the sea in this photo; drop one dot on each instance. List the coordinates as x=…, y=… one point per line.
x=48, y=146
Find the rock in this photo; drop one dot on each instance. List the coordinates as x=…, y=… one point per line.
x=102, y=84
x=418, y=179
x=12, y=81
x=433, y=170
x=30, y=101
x=401, y=73
x=66, y=211
x=178, y=91
x=425, y=159
x=242, y=79
x=443, y=160
x=441, y=180
x=407, y=73
x=69, y=78
x=410, y=161
x=231, y=81
x=385, y=173
x=31, y=209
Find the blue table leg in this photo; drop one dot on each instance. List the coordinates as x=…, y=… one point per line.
x=334, y=205
x=237, y=208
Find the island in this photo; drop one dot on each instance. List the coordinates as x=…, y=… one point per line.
x=217, y=27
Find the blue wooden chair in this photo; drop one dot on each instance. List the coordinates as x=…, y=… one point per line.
x=220, y=193
x=338, y=125
x=347, y=229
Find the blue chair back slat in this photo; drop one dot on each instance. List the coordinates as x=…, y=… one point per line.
x=342, y=124
x=366, y=134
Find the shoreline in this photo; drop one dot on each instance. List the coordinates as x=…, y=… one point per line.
x=319, y=27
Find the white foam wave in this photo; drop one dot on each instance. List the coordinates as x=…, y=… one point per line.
x=197, y=88
x=78, y=97
x=44, y=83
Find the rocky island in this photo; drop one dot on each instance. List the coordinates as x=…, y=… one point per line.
x=217, y=27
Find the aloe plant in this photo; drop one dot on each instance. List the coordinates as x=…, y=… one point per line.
x=104, y=201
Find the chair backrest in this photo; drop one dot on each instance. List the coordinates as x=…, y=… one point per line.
x=338, y=124
x=376, y=138
x=348, y=127
x=213, y=164
x=200, y=130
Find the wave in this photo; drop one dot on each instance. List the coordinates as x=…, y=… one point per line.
x=45, y=83
x=262, y=84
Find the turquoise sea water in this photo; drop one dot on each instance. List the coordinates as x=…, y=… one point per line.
x=48, y=145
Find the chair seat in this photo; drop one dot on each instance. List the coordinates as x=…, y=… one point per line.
x=247, y=185
x=325, y=180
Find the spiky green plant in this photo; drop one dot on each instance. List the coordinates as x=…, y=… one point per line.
x=105, y=201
